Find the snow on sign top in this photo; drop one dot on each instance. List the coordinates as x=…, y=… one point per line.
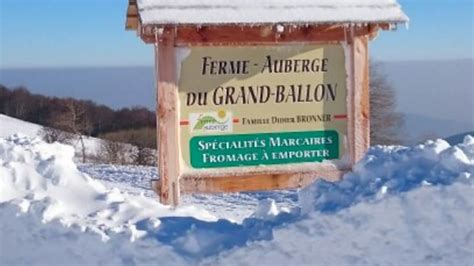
x=269, y=11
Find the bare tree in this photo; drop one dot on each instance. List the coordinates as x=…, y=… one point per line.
x=74, y=119
x=144, y=156
x=144, y=140
x=114, y=152
x=20, y=102
x=139, y=144
x=386, y=124
x=51, y=135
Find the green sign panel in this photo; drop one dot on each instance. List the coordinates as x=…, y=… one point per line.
x=263, y=149
x=267, y=105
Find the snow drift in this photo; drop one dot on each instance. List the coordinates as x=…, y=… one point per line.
x=391, y=170
x=400, y=205
x=33, y=171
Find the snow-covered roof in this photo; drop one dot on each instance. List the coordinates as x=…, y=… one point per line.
x=269, y=11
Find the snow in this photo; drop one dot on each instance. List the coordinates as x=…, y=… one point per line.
x=429, y=226
x=399, y=206
x=237, y=207
x=392, y=169
x=33, y=171
x=10, y=126
x=26, y=240
x=269, y=11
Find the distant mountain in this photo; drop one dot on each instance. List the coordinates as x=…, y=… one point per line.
x=458, y=138
x=419, y=128
x=442, y=89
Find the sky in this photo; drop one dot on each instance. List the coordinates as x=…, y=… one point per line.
x=84, y=33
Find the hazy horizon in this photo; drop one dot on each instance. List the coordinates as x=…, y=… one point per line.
x=134, y=86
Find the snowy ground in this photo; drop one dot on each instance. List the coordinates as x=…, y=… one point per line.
x=235, y=207
x=93, y=146
x=10, y=125
x=400, y=206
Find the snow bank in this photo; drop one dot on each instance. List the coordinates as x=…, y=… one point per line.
x=391, y=170
x=431, y=225
x=26, y=240
x=10, y=126
x=400, y=206
x=33, y=171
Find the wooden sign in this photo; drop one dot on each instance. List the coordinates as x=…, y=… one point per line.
x=246, y=117
x=254, y=95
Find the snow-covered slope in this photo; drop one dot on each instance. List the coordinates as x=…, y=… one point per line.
x=400, y=206
x=10, y=126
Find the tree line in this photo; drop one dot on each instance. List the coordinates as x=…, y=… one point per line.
x=43, y=110
x=130, y=132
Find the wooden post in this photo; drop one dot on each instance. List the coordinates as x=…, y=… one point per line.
x=359, y=124
x=361, y=97
x=167, y=117
x=350, y=68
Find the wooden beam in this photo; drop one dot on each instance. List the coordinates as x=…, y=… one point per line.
x=132, y=23
x=261, y=182
x=132, y=10
x=189, y=35
x=132, y=20
x=359, y=95
x=167, y=117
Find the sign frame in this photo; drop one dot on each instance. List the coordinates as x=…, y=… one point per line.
x=167, y=38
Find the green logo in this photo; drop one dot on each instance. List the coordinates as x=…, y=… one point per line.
x=211, y=122
x=205, y=120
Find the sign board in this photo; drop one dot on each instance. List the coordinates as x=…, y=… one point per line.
x=261, y=106
x=261, y=102
x=240, y=109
